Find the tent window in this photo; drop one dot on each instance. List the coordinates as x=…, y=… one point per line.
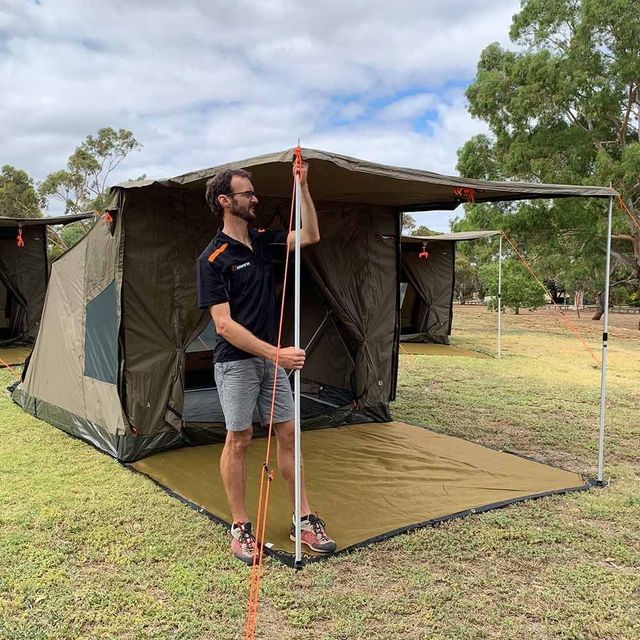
x=101, y=336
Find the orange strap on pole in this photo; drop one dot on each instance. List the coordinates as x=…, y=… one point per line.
x=466, y=194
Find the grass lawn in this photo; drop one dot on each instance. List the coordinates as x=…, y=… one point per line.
x=89, y=549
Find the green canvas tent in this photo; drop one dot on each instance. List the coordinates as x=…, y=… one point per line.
x=123, y=356
x=24, y=273
x=428, y=284
x=124, y=335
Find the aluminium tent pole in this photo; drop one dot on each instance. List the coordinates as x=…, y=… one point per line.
x=296, y=376
x=500, y=297
x=605, y=340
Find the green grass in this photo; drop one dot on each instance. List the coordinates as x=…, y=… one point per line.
x=90, y=550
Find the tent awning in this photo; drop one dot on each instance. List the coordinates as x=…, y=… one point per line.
x=451, y=237
x=34, y=222
x=338, y=178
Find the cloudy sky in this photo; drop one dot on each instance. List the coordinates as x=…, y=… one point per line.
x=201, y=82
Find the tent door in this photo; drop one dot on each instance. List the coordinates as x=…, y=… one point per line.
x=13, y=312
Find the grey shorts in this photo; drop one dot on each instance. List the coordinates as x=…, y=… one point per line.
x=245, y=388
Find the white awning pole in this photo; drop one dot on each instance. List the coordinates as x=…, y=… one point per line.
x=296, y=377
x=605, y=340
x=500, y=298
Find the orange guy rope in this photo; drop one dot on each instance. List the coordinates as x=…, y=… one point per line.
x=267, y=476
x=570, y=326
x=8, y=366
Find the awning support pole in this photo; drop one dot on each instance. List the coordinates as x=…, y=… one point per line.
x=605, y=340
x=312, y=339
x=500, y=298
x=296, y=377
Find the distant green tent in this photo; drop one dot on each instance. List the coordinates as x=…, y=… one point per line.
x=428, y=284
x=24, y=273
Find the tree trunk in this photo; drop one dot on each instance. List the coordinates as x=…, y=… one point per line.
x=599, y=306
x=517, y=311
x=578, y=302
x=578, y=299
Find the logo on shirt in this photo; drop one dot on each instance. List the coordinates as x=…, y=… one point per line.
x=237, y=267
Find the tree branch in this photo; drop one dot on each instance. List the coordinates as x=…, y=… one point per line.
x=55, y=238
x=625, y=121
x=622, y=236
x=575, y=121
x=624, y=259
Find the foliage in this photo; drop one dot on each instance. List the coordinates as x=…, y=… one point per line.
x=467, y=277
x=564, y=108
x=408, y=224
x=519, y=289
x=422, y=230
x=18, y=197
x=82, y=186
x=66, y=237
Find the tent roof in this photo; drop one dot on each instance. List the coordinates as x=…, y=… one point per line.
x=338, y=178
x=34, y=222
x=449, y=237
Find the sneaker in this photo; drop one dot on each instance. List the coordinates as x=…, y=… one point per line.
x=312, y=534
x=243, y=541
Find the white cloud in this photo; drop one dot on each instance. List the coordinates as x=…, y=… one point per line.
x=203, y=82
x=408, y=107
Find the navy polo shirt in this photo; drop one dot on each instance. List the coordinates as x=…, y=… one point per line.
x=229, y=271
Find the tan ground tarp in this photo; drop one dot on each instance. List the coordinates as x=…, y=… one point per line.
x=13, y=355
x=367, y=480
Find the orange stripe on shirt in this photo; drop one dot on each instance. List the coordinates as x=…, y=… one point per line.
x=217, y=252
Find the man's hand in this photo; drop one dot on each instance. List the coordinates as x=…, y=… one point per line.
x=291, y=358
x=303, y=173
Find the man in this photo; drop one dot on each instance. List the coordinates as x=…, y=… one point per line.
x=235, y=282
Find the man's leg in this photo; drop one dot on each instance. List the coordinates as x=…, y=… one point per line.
x=313, y=533
x=286, y=463
x=312, y=528
x=238, y=386
x=232, y=468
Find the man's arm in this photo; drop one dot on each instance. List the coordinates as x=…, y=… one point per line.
x=238, y=336
x=309, y=232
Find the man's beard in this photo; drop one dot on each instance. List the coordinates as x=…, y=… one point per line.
x=244, y=213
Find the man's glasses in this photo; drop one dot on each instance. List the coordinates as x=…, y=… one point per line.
x=248, y=194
